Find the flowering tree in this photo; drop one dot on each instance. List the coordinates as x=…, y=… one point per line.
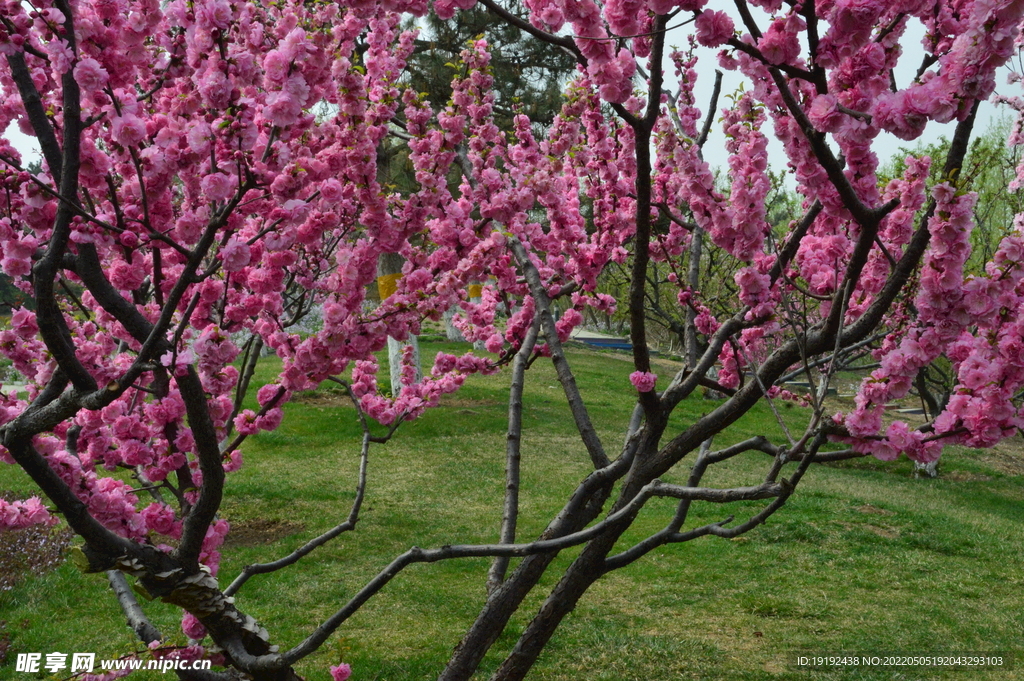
x=203, y=158
x=989, y=167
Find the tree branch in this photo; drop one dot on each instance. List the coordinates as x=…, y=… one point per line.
x=346, y=526
x=709, y=117
x=510, y=514
x=37, y=115
x=562, y=369
x=137, y=619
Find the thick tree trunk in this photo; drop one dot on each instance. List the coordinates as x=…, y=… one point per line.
x=491, y=621
x=583, y=572
x=506, y=599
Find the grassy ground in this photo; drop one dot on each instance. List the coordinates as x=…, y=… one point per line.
x=864, y=558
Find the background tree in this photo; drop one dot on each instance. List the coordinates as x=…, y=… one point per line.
x=531, y=73
x=187, y=180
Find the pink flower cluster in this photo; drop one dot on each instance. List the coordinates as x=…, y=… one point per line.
x=643, y=381
x=714, y=28
x=15, y=514
x=412, y=399
x=341, y=672
x=748, y=166
x=612, y=71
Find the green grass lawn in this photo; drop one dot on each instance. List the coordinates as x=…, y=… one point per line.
x=863, y=559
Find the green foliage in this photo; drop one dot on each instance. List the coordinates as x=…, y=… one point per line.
x=11, y=296
x=528, y=75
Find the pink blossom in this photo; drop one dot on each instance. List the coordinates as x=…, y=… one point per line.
x=271, y=392
x=551, y=17
x=623, y=16
x=614, y=77
x=643, y=381
x=824, y=113
x=283, y=109
x=219, y=186
x=24, y=323
x=215, y=87
x=160, y=518
x=927, y=452
x=864, y=422
x=891, y=113
x=714, y=28
x=90, y=75
x=271, y=420
x=753, y=285
x=25, y=513
x=245, y=422
x=341, y=672
x=331, y=191
x=276, y=66
x=855, y=16
x=217, y=13
x=61, y=55
x=192, y=627
x=233, y=461
x=779, y=44
x=129, y=130
x=236, y=254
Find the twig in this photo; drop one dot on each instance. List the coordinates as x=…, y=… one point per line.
x=710, y=115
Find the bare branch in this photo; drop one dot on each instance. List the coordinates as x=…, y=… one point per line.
x=137, y=619
x=346, y=526
x=565, y=376
x=710, y=115
x=510, y=514
x=418, y=555
x=37, y=115
x=718, y=496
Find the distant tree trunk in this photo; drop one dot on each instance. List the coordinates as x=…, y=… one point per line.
x=691, y=351
x=389, y=269
x=451, y=331
x=933, y=406
x=475, y=290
